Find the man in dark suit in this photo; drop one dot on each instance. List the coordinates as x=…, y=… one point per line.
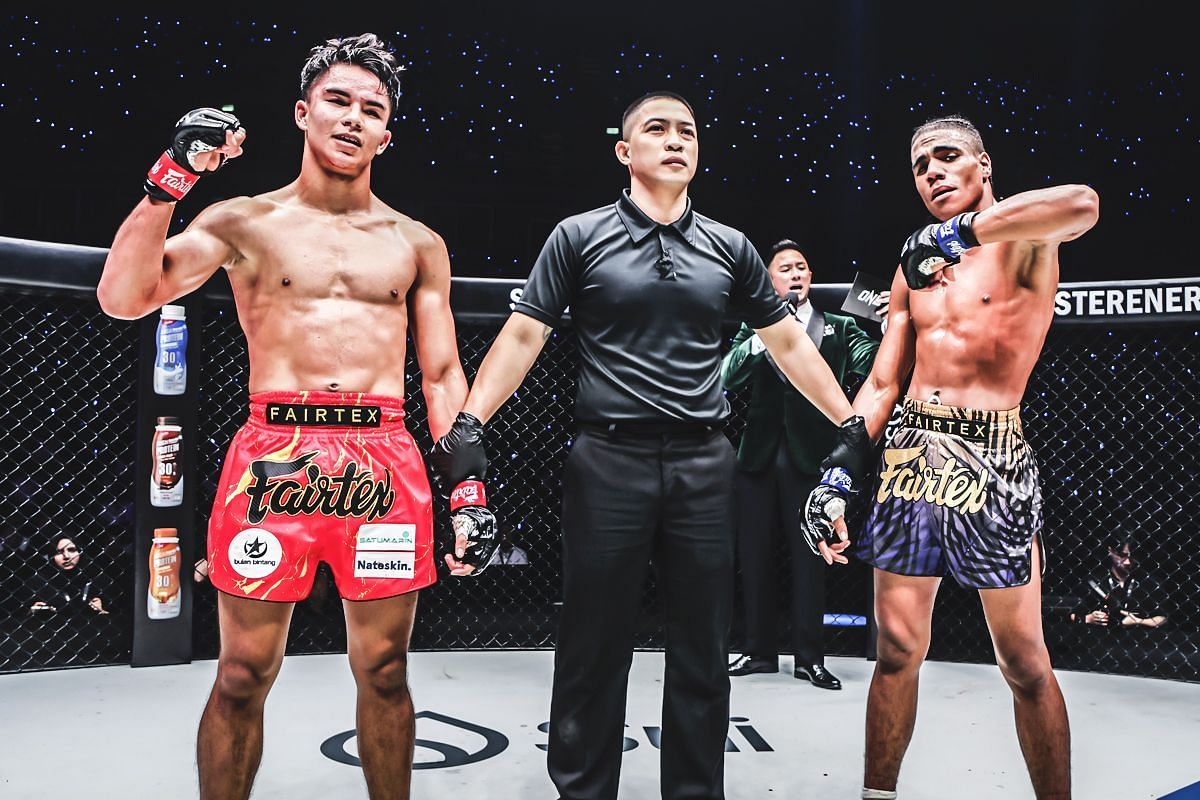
x=778, y=464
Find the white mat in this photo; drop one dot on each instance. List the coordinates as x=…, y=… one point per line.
x=119, y=732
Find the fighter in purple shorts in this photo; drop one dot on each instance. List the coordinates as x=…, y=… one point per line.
x=958, y=495
x=957, y=489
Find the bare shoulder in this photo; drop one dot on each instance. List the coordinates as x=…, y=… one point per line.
x=418, y=234
x=424, y=240
x=234, y=213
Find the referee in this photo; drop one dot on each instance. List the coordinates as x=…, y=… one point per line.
x=649, y=283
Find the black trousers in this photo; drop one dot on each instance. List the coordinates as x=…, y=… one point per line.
x=627, y=500
x=768, y=504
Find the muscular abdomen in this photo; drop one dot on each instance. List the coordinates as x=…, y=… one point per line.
x=979, y=336
x=331, y=343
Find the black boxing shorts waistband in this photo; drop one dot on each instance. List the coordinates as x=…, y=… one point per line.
x=975, y=425
x=326, y=410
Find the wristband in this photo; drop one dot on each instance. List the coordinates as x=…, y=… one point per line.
x=468, y=493
x=839, y=479
x=172, y=178
x=956, y=235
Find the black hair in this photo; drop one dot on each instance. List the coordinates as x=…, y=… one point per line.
x=782, y=244
x=632, y=108
x=52, y=543
x=365, y=50
x=952, y=122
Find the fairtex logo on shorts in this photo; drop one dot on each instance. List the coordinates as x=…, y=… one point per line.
x=319, y=415
x=351, y=493
x=907, y=476
x=254, y=553
x=971, y=429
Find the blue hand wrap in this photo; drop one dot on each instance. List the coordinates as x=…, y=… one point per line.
x=955, y=237
x=839, y=479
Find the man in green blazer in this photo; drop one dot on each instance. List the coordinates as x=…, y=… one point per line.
x=784, y=439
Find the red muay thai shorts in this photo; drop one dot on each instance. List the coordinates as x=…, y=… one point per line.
x=322, y=476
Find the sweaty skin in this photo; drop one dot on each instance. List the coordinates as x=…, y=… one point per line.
x=982, y=326
x=328, y=280
x=975, y=334
x=314, y=291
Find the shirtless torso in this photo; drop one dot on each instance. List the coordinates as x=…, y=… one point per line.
x=979, y=331
x=322, y=297
x=958, y=492
x=330, y=284
x=972, y=337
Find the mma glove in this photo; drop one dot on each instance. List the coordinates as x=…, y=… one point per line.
x=460, y=452
x=844, y=471
x=175, y=172
x=470, y=517
x=461, y=460
x=935, y=247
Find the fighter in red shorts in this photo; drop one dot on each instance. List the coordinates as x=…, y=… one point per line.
x=322, y=476
x=329, y=282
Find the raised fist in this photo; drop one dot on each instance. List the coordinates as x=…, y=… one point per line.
x=935, y=247
x=204, y=139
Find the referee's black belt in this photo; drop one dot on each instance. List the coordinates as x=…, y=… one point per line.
x=650, y=428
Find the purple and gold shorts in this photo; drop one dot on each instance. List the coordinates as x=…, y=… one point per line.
x=958, y=495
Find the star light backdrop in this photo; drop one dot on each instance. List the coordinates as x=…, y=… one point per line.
x=503, y=127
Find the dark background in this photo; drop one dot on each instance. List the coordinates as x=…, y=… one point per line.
x=805, y=113
x=805, y=109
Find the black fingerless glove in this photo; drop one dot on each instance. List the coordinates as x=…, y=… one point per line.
x=935, y=247
x=174, y=173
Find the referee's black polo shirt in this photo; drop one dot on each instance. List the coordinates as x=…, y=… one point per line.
x=648, y=302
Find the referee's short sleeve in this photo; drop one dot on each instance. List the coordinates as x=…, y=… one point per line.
x=754, y=299
x=553, y=279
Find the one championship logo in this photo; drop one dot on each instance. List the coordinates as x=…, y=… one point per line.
x=352, y=493
x=907, y=476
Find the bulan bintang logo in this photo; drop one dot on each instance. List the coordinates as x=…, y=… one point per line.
x=907, y=476
x=352, y=493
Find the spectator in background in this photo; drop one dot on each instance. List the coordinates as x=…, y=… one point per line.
x=1121, y=597
x=67, y=585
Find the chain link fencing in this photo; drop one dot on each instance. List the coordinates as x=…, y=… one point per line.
x=1104, y=411
x=1110, y=413
x=68, y=387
